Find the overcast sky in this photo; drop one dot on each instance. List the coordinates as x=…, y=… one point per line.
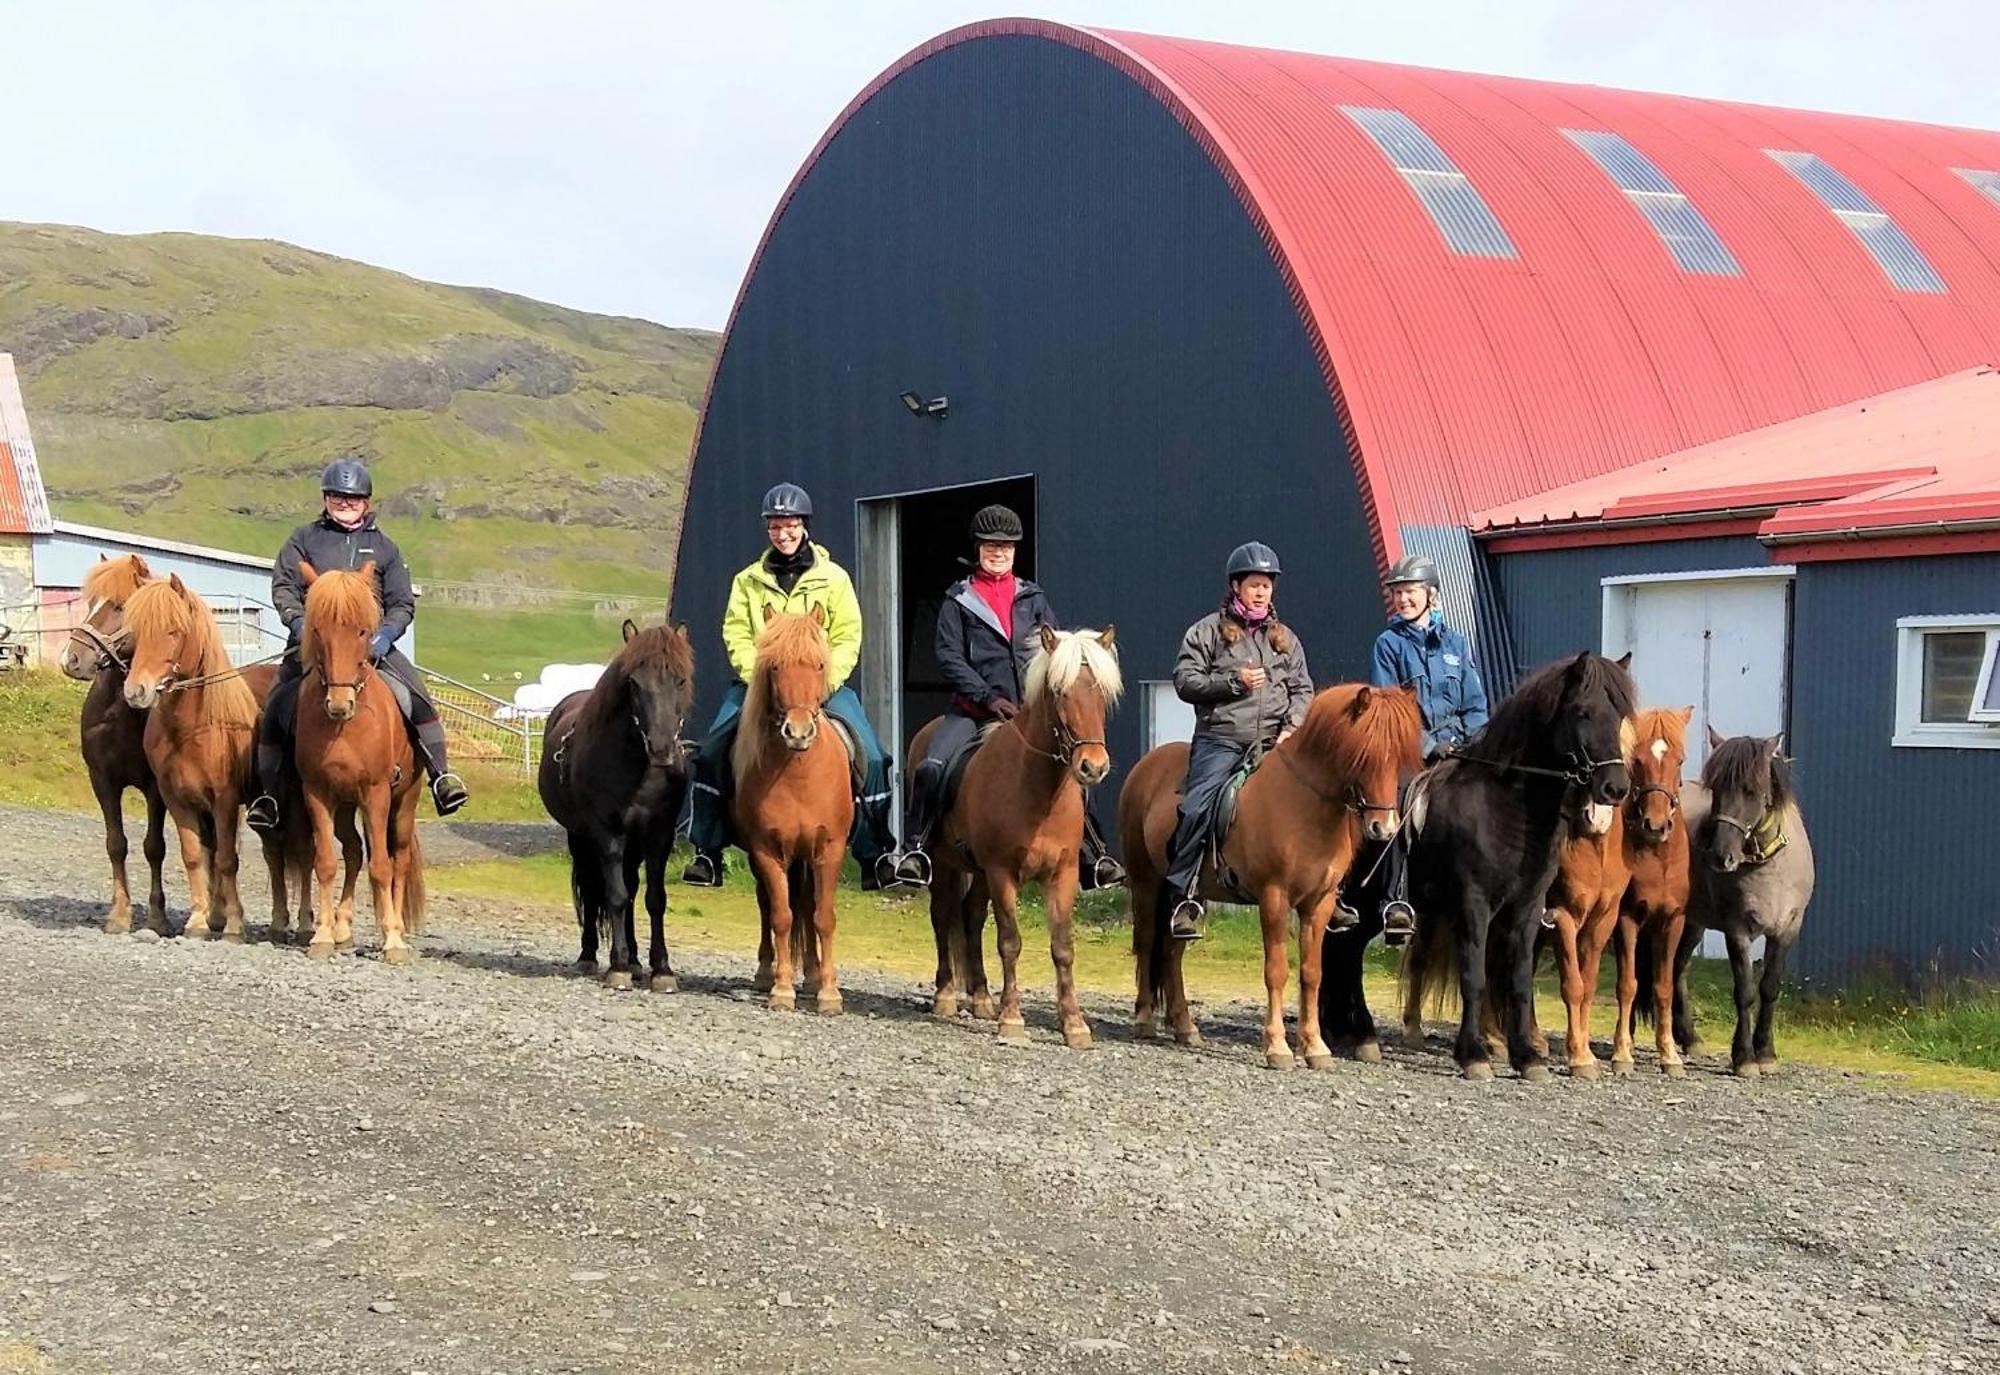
x=622, y=156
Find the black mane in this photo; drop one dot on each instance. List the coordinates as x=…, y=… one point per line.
x=1519, y=727
x=1742, y=763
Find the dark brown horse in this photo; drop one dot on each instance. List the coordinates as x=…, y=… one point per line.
x=1299, y=820
x=794, y=806
x=114, y=734
x=354, y=758
x=1018, y=818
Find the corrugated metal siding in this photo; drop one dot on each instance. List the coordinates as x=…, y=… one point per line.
x=1553, y=599
x=1101, y=314
x=24, y=507
x=1903, y=837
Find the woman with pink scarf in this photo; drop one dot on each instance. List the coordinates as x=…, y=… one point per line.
x=1244, y=673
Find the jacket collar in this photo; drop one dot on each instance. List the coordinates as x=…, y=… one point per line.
x=821, y=559
x=327, y=522
x=1429, y=629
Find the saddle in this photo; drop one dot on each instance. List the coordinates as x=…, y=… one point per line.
x=954, y=767
x=857, y=767
x=399, y=690
x=1223, y=817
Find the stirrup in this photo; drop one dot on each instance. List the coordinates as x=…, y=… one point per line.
x=262, y=815
x=449, y=793
x=703, y=871
x=912, y=869
x=1105, y=873
x=1344, y=916
x=1185, y=924
x=1399, y=922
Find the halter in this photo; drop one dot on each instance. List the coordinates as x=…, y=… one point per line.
x=1582, y=771
x=1353, y=799
x=1068, y=742
x=1635, y=804
x=106, y=647
x=1762, y=839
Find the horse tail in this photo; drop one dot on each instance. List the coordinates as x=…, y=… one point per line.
x=1645, y=969
x=414, y=892
x=1156, y=950
x=1430, y=964
x=586, y=885
x=802, y=927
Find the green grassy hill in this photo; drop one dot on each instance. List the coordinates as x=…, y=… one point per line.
x=529, y=459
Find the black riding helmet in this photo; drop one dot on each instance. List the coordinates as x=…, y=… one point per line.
x=787, y=499
x=1415, y=568
x=346, y=477
x=1253, y=558
x=996, y=525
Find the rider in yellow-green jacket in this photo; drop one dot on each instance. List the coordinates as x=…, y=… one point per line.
x=794, y=575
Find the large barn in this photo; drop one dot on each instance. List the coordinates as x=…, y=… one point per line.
x=1164, y=296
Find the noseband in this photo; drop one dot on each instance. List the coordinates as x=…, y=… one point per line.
x=1354, y=800
x=1762, y=838
x=1068, y=742
x=106, y=647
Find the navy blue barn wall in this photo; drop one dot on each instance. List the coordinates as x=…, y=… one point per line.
x=1017, y=226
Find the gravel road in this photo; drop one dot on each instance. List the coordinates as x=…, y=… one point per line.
x=223, y=1159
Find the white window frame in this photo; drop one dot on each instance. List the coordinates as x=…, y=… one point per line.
x=1983, y=689
x=1912, y=731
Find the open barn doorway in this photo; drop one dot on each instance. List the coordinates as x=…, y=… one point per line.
x=910, y=548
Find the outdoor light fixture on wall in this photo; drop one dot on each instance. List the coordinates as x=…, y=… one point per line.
x=937, y=407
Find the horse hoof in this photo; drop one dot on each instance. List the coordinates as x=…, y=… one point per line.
x=984, y=1010
x=1013, y=1030
x=1583, y=1069
x=1767, y=1064
x=584, y=969
x=829, y=1006
x=765, y=981
x=1746, y=1069
x=232, y=938
x=194, y=931
x=1414, y=1038
x=620, y=979
x=1076, y=1037
x=1369, y=1052
x=398, y=954
x=320, y=950
x=1478, y=1072
x=1190, y=1038
x=1673, y=1069
x=782, y=1000
x=1323, y=1060
x=945, y=1007
x=116, y=926
x=664, y=983
x=1535, y=1072
x=1622, y=1068
x=1279, y=1059
x=1694, y=1045
x=1145, y=1030
x=345, y=947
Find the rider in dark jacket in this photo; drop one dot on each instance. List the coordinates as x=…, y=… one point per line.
x=345, y=537
x=987, y=634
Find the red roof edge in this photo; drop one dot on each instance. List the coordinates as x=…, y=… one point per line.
x=1786, y=492
x=1592, y=534
x=1908, y=546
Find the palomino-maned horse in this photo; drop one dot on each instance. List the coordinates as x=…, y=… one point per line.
x=794, y=805
x=1300, y=818
x=354, y=755
x=1616, y=880
x=613, y=777
x=201, y=720
x=1752, y=877
x=1487, y=828
x=1016, y=818
x=114, y=734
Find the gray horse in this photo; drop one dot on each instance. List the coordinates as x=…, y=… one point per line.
x=1752, y=876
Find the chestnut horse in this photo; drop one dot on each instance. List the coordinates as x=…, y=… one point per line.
x=1017, y=818
x=793, y=806
x=114, y=735
x=201, y=722
x=354, y=754
x=1615, y=881
x=1299, y=820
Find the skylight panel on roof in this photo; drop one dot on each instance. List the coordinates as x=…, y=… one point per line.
x=1447, y=194
x=1988, y=182
x=1884, y=239
x=1687, y=236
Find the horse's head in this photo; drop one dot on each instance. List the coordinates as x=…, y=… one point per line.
x=792, y=659
x=1368, y=740
x=1590, y=725
x=159, y=624
x=1749, y=782
x=658, y=667
x=342, y=614
x=1076, y=675
x=98, y=641
x=1655, y=763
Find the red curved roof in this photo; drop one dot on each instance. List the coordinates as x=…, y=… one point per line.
x=1469, y=382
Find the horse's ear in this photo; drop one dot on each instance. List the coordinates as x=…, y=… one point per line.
x=1049, y=640
x=1686, y=714
x=1578, y=665
x=681, y=634
x=140, y=569
x=630, y=631
x=1625, y=661
x=819, y=614
x=1715, y=740
x=1363, y=699
x=174, y=581
x=367, y=570
x=307, y=573
x=1776, y=745
x=104, y=558
x=1108, y=636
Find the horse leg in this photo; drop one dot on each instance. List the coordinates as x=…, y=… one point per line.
x=1415, y=953
x=351, y=859
x=825, y=887
x=111, y=802
x=1685, y=1033
x=767, y=969
x=805, y=936
x=324, y=921
x=617, y=907
x=1179, y=1014
x=382, y=875
x=156, y=859
x=1273, y=913
x=774, y=899
x=1060, y=890
x=1570, y=961
x=281, y=907
x=1742, y=1058
x=194, y=856
x=947, y=900
x=1006, y=896
x=971, y=950
x=1666, y=938
x=1769, y=985
x=657, y=963
x=1312, y=952
x=1529, y=1060
x=1595, y=936
x=1343, y=1001
x=1629, y=934
x=1474, y=1061
x=1145, y=1002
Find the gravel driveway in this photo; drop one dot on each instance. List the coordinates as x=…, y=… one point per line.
x=223, y=1159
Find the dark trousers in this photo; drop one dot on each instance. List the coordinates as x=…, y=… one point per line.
x=274, y=726
x=708, y=824
x=1210, y=762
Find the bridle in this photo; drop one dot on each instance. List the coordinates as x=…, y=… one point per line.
x=106, y=646
x=1068, y=742
x=1582, y=771
x=1635, y=804
x=1354, y=799
x=1755, y=851
x=317, y=669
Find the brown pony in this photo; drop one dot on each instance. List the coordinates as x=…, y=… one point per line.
x=1018, y=817
x=794, y=805
x=1656, y=901
x=114, y=734
x=1598, y=891
x=201, y=722
x=353, y=753
x=1299, y=820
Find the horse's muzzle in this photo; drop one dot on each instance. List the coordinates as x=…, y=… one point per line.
x=1611, y=786
x=339, y=710
x=1381, y=826
x=1091, y=770
x=140, y=696
x=797, y=738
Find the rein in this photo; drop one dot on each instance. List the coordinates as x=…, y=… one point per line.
x=176, y=683
x=1068, y=742
x=1355, y=801
x=1582, y=771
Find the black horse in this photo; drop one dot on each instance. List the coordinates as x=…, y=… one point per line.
x=614, y=778
x=1487, y=831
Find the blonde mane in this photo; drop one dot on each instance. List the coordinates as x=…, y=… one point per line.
x=339, y=601
x=113, y=581
x=785, y=640
x=167, y=611
x=1059, y=669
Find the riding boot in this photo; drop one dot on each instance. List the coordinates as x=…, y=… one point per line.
x=264, y=814
x=1399, y=919
x=448, y=790
x=913, y=865
x=1097, y=869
